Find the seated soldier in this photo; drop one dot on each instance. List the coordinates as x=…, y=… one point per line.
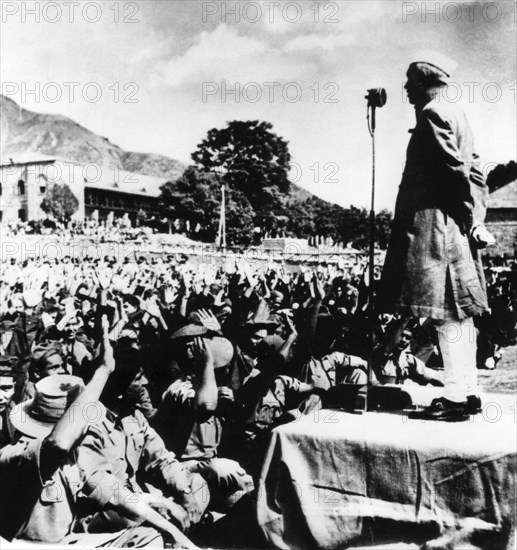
x=7, y=376
x=261, y=401
x=52, y=481
x=123, y=451
x=193, y=411
x=394, y=363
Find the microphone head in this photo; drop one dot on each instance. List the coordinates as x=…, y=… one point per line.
x=376, y=97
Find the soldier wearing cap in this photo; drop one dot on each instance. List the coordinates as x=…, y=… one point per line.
x=194, y=409
x=433, y=268
x=7, y=386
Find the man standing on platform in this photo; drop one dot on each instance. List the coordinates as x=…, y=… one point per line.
x=433, y=267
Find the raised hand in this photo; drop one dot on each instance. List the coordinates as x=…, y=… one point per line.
x=219, y=299
x=106, y=354
x=289, y=324
x=169, y=295
x=201, y=351
x=120, y=284
x=104, y=277
x=152, y=308
x=32, y=292
x=318, y=288
x=208, y=320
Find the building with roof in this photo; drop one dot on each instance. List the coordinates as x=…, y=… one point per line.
x=101, y=189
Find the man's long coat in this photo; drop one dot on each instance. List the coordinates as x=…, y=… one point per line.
x=431, y=269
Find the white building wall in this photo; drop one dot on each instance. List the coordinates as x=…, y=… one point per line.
x=36, y=177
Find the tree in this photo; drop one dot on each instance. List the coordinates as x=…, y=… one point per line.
x=501, y=175
x=253, y=160
x=60, y=202
x=383, y=228
x=196, y=197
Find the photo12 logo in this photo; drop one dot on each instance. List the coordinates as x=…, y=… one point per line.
x=271, y=92
x=69, y=12
x=458, y=12
x=54, y=92
x=270, y=12
x=472, y=92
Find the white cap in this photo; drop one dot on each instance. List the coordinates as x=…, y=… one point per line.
x=438, y=60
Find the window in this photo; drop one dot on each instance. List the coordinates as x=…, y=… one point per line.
x=21, y=215
x=1, y=215
x=21, y=187
x=0, y=189
x=42, y=182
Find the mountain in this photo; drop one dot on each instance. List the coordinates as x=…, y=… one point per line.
x=24, y=132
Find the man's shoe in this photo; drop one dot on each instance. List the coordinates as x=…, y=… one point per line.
x=444, y=410
x=473, y=404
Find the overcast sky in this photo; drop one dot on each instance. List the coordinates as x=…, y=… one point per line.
x=151, y=60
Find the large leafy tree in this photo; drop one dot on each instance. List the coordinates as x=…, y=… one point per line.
x=253, y=160
x=60, y=202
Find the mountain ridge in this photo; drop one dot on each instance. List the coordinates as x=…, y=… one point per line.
x=24, y=132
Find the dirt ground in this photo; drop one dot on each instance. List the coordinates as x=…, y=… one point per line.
x=504, y=377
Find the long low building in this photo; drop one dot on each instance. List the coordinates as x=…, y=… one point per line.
x=105, y=189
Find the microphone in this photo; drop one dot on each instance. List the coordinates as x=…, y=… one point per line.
x=376, y=97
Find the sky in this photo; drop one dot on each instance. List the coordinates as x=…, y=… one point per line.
x=156, y=75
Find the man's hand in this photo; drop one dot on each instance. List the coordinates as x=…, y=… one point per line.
x=289, y=324
x=32, y=297
x=106, y=355
x=229, y=475
x=202, y=351
x=104, y=276
x=152, y=308
x=208, y=320
x=319, y=379
x=169, y=295
x=318, y=288
x=482, y=237
x=32, y=293
x=167, y=508
x=224, y=392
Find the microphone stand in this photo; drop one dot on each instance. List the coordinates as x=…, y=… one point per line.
x=360, y=394
x=371, y=254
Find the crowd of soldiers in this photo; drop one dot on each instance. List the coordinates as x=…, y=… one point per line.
x=137, y=396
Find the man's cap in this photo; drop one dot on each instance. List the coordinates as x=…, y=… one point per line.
x=436, y=59
x=54, y=394
x=222, y=350
x=191, y=331
x=43, y=351
x=6, y=326
x=8, y=365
